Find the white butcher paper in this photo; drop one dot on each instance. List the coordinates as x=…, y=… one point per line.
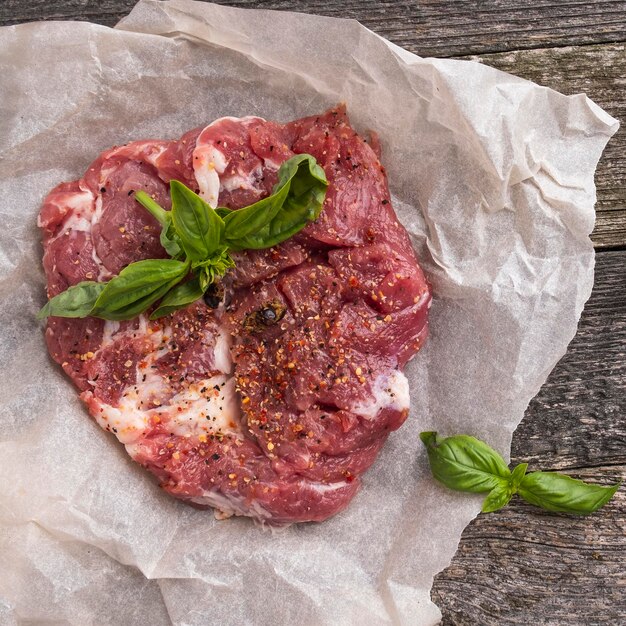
x=493, y=177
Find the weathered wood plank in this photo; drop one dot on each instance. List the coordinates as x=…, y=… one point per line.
x=522, y=565
x=426, y=27
x=519, y=566
x=578, y=419
x=599, y=71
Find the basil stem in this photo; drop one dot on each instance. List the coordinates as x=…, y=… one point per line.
x=154, y=208
x=464, y=463
x=169, y=240
x=198, y=238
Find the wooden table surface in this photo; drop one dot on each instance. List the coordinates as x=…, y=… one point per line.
x=520, y=565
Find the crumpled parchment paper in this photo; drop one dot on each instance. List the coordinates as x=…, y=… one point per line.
x=492, y=175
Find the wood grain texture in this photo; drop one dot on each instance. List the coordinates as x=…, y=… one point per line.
x=599, y=71
x=426, y=27
x=525, y=566
x=521, y=565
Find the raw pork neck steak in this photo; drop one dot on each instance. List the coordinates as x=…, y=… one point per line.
x=272, y=399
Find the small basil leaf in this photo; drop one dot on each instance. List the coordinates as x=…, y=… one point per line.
x=223, y=211
x=178, y=297
x=498, y=497
x=464, y=463
x=517, y=475
x=198, y=226
x=562, y=494
x=206, y=278
x=296, y=200
x=137, y=287
x=76, y=301
x=170, y=240
x=213, y=268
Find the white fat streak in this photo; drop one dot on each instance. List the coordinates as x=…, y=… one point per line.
x=209, y=164
x=226, y=506
x=80, y=200
x=327, y=487
x=128, y=425
x=153, y=158
x=103, y=272
x=80, y=205
x=221, y=352
x=205, y=407
x=97, y=213
x=215, y=409
x=423, y=298
x=110, y=329
x=141, y=150
x=77, y=222
x=231, y=505
x=237, y=181
x=271, y=164
x=246, y=120
x=389, y=391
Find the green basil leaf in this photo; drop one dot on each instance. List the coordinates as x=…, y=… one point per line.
x=137, y=287
x=464, y=463
x=296, y=200
x=498, y=497
x=562, y=494
x=250, y=220
x=195, y=236
x=76, y=301
x=198, y=226
x=179, y=297
x=517, y=476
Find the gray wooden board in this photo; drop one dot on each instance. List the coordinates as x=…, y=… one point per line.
x=524, y=566
x=520, y=565
x=428, y=28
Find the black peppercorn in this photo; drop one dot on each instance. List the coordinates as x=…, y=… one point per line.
x=214, y=295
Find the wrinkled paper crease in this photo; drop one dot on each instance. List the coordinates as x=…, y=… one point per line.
x=493, y=177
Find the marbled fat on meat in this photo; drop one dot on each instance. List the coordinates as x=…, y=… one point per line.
x=275, y=419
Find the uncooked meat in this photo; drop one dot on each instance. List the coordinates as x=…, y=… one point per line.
x=271, y=396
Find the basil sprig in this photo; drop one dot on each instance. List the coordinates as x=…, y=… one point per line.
x=199, y=239
x=464, y=463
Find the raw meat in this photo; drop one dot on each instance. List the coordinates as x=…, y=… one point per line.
x=274, y=403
